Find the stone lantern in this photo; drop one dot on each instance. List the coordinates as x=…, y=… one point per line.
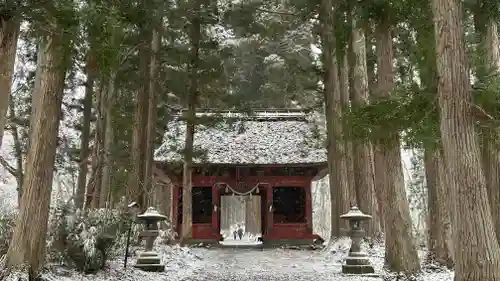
x=149, y=260
x=356, y=262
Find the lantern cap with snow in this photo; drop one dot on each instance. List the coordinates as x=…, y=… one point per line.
x=151, y=216
x=355, y=216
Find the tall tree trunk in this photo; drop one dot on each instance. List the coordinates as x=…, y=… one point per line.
x=436, y=174
x=95, y=182
x=9, y=30
x=28, y=240
x=371, y=61
x=401, y=254
x=344, y=153
x=187, y=197
x=476, y=249
x=152, y=110
x=371, y=58
x=85, y=136
x=89, y=188
x=488, y=65
x=135, y=188
x=491, y=162
x=332, y=96
x=348, y=153
x=440, y=240
x=107, y=166
x=363, y=161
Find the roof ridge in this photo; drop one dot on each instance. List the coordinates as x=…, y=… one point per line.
x=260, y=115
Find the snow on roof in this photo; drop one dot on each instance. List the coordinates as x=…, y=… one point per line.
x=238, y=138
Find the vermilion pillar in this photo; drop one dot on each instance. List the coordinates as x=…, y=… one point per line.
x=175, y=208
x=308, y=206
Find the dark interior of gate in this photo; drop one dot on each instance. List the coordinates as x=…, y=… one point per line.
x=273, y=155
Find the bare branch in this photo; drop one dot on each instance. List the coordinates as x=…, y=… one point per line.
x=8, y=167
x=275, y=12
x=129, y=53
x=480, y=113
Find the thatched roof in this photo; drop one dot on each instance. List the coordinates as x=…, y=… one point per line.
x=261, y=138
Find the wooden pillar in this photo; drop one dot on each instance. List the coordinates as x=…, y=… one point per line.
x=263, y=214
x=164, y=201
x=308, y=206
x=215, y=210
x=269, y=210
x=175, y=208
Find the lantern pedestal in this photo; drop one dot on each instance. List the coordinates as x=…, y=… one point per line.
x=356, y=262
x=149, y=261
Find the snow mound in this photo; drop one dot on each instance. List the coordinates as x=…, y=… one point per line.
x=179, y=263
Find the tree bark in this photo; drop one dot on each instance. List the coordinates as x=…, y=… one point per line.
x=364, y=176
x=85, y=136
x=488, y=65
x=337, y=167
x=107, y=166
x=152, y=111
x=9, y=31
x=476, y=249
x=491, y=162
x=371, y=59
x=348, y=147
x=440, y=240
x=28, y=240
x=187, y=197
x=401, y=254
x=95, y=183
x=135, y=188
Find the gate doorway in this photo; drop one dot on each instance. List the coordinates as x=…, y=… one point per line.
x=243, y=212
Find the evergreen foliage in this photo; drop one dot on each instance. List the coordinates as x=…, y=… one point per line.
x=253, y=55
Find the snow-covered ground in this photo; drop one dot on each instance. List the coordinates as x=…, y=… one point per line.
x=236, y=264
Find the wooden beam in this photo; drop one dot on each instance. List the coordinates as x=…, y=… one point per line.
x=321, y=174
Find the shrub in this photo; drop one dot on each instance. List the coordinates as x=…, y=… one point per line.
x=166, y=236
x=85, y=240
x=7, y=222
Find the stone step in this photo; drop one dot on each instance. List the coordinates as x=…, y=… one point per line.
x=357, y=261
x=147, y=254
x=149, y=260
x=357, y=269
x=151, y=267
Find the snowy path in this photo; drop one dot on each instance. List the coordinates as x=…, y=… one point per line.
x=266, y=265
x=244, y=243
x=241, y=264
